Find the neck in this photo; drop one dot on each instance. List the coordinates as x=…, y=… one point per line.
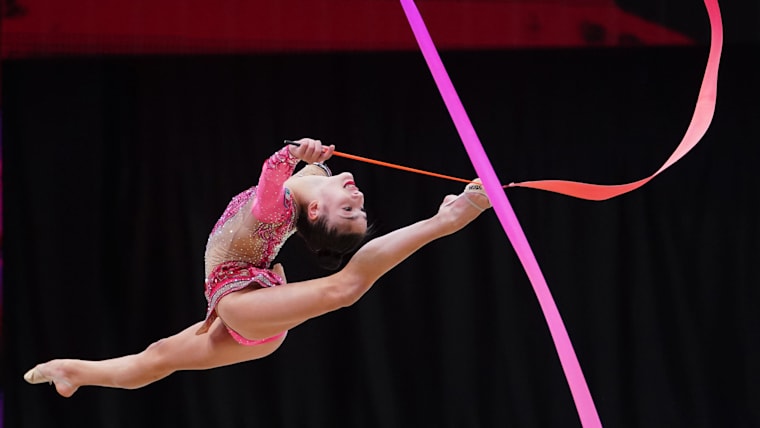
x=301, y=183
x=300, y=188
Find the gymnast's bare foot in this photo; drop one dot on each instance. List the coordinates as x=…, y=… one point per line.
x=52, y=372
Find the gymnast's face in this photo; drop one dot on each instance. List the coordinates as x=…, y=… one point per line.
x=342, y=202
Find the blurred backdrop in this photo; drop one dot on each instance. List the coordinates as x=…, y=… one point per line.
x=127, y=127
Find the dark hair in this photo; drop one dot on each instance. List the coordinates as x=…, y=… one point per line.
x=328, y=243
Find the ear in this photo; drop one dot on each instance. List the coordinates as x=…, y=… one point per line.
x=312, y=210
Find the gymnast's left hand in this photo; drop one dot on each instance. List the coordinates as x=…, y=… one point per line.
x=310, y=150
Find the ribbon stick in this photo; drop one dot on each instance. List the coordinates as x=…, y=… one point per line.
x=390, y=165
x=700, y=121
x=503, y=209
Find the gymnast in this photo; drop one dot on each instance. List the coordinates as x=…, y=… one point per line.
x=250, y=305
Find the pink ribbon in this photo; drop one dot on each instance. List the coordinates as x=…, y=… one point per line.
x=700, y=121
x=702, y=117
x=503, y=209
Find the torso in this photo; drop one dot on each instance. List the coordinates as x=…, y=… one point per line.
x=239, y=236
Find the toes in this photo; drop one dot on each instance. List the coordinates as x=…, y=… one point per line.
x=35, y=376
x=476, y=194
x=41, y=374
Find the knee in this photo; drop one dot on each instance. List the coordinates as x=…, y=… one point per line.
x=154, y=357
x=347, y=288
x=155, y=347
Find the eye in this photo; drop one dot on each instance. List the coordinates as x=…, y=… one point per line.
x=347, y=209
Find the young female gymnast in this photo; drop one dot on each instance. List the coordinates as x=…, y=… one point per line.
x=250, y=305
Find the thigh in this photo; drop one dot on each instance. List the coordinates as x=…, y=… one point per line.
x=215, y=348
x=265, y=312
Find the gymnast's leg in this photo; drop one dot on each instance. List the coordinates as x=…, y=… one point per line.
x=264, y=312
x=259, y=313
x=183, y=351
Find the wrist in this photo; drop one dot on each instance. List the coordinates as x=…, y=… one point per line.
x=290, y=154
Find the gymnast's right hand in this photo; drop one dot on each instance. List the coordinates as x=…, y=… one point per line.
x=310, y=150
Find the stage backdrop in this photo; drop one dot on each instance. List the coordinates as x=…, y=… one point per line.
x=127, y=128
x=117, y=168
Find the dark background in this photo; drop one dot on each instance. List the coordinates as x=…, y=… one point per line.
x=117, y=166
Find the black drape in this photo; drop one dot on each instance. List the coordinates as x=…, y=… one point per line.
x=117, y=168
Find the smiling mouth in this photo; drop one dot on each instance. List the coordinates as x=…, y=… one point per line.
x=350, y=184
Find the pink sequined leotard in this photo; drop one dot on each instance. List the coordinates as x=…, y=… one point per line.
x=248, y=236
